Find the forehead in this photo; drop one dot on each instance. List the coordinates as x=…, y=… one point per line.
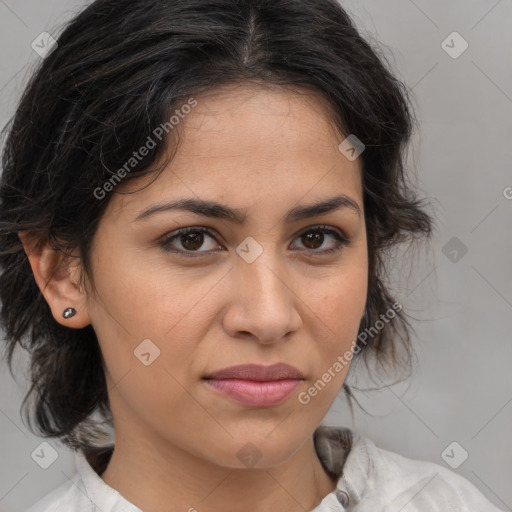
x=242, y=144
x=265, y=118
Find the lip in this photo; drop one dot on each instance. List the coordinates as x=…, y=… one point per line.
x=256, y=385
x=259, y=373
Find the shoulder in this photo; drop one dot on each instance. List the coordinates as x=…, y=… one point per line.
x=394, y=482
x=65, y=498
x=85, y=491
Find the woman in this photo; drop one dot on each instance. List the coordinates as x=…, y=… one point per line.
x=196, y=203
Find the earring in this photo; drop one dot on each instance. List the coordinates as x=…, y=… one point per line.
x=69, y=312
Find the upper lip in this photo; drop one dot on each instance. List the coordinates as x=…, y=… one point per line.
x=256, y=372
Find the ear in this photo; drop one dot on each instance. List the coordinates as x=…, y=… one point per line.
x=59, y=282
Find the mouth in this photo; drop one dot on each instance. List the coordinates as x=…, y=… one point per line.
x=256, y=385
x=258, y=373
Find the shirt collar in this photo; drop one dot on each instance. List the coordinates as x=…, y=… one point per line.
x=103, y=496
x=342, y=452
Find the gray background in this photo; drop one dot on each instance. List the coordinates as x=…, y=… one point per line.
x=462, y=387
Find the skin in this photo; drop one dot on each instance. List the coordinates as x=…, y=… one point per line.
x=263, y=150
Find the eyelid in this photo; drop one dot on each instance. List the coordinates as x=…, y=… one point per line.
x=341, y=239
x=169, y=237
x=327, y=227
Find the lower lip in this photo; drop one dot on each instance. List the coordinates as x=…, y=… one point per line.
x=255, y=394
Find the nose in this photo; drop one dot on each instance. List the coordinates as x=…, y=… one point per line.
x=263, y=303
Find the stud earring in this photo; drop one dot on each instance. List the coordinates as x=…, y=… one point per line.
x=69, y=312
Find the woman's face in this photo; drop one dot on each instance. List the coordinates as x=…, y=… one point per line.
x=169, y=312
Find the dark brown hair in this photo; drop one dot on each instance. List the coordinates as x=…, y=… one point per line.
x=120, y=69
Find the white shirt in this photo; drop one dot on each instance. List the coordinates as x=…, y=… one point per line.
x=370, y=479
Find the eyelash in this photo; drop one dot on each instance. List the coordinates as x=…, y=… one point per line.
x=340, y=241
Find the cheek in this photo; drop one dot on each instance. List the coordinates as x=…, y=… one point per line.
x=144, y=298
x=338, y=298
x=140, y=300
x=147, y=326
x=336, y=305
x=141, y=295
x=344, y=299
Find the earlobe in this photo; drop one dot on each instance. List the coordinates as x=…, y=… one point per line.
x=59, y=284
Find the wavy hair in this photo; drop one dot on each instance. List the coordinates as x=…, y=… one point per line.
x=120, y=69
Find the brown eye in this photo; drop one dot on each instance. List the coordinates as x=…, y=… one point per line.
x=314, y=238
x=190, y=240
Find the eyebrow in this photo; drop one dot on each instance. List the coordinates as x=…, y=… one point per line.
x=238, y=216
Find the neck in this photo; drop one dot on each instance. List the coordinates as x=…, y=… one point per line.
x=180, y=481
